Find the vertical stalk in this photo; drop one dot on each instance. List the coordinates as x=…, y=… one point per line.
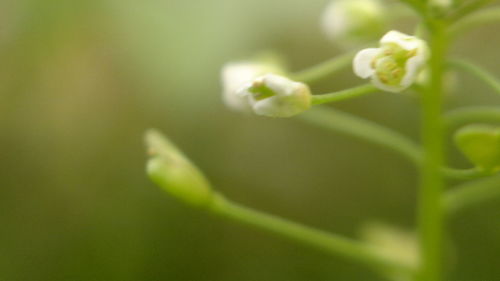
x=430, y=210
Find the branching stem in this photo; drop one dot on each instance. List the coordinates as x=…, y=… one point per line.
x=478, y=72
x=345, y=123
x=480, y=18
x=324, y=241
x=470, y=194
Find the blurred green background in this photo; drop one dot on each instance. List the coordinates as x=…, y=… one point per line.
x=80, y=81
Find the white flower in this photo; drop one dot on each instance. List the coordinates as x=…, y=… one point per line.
x=276, y=96
x=396, y=64
x=235, y=75
x=351, y=22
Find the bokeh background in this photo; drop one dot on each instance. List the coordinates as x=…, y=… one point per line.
x=80, y=81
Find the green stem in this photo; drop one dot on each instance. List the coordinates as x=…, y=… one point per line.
x=463, y=116
x=334, y=120
x=477, y=71
x=470, y=194
x=463, y=174
x=469, y=8
x=480, y=18
x=363, y=129
x=323, y=69
x=430, y=211
x=417, y=5
x=327, y=242
x=344, y=94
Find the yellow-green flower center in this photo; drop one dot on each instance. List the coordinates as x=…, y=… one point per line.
x=390, y=64
x=261, y=91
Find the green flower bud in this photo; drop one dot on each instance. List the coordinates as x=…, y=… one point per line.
x=173, y=172
x=481, y=145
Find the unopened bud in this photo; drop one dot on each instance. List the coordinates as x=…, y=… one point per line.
x=276, y=96
x=237, y=74
x=173, y=172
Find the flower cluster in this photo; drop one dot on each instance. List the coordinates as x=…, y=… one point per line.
x=399, y=61
x=264, y=88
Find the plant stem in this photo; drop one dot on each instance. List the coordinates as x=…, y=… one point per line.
x=430, y=211
x=470, y=194
x=327, y=242
x=323, y=69
x=344, y=94
x=363, y=129
x=469, y=8
x=463, y=116
x=479, y=72
x=480, y=18
x=417, y=5
x=463, y=174
x=345, y=123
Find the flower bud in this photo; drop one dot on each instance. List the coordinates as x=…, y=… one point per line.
x=481, y=145
x=276, y=96
x=351, y=22
x=396, y=64
x=173, y=172
x=237, y=74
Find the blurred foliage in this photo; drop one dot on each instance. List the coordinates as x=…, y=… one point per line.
x=81, y=80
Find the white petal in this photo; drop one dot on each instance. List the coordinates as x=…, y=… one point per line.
x=290, y=97
x=414, y=65
x=281, y=85
x=334, y=21
x=267, y=107
x=285, y=106
x=234, y=77
x=362, y=63
x=404, y=41
x=350, y=22
x=235, y=74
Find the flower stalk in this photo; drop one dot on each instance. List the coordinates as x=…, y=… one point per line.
x=323, y=241
x=430, y=210
x=344, y=94
x=471, y=194
x=401, y=61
